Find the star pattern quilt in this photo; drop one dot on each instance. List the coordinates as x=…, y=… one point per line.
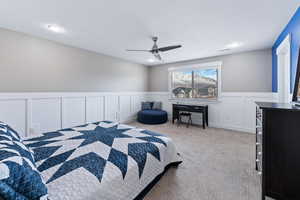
x=102, y=160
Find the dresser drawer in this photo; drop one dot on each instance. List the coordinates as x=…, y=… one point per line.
x=258, y=150
x=259, y=153
x=259, y=161
x=258, y=113
x=259, y=167
x=259, y=136
x=258, y=123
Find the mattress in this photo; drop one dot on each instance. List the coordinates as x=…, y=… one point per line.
x=103, y=160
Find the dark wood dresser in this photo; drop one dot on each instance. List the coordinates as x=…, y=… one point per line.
x=278, y=150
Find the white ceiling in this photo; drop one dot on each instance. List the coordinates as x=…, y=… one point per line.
x=110, y=26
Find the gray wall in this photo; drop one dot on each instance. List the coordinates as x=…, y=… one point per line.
x=29, y=64
x=245, y=72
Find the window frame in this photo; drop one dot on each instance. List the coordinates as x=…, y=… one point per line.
x=209, y=65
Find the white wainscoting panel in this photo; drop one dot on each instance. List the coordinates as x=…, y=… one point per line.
x=235, y=111
x=112, y=107
x=45, y=115
x=125, y=108
x=231, y=111
x=94, y=109
x=14, y=113
x=136, y=102
x=34, y=113
x=73, y=111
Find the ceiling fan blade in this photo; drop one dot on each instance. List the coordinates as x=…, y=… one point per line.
x=138, y=50
x=168, y=48
x=157, y=56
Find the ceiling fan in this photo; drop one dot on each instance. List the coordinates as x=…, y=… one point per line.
x=155, y=49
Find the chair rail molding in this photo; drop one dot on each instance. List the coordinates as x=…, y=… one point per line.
x=35, y=113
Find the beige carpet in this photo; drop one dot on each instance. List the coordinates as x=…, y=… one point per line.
x=218, y=165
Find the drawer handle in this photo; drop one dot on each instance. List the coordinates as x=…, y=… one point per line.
x=257, y=160
x=259, y=153
x=257, y=143
x=259, y=133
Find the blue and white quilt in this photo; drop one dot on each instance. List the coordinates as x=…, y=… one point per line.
x=103, y=160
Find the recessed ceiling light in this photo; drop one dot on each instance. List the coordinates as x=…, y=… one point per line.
x=150, y=60
x=234, y=45
x=55, y=28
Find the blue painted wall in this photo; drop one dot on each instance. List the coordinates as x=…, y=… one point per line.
x=293, y=28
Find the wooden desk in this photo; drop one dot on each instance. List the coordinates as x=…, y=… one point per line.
x=191, y=108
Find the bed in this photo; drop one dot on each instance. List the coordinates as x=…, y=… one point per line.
x=103, y=160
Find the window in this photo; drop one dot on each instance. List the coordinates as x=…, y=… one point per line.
x=196, y=82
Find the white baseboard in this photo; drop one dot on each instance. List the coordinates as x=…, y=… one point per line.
x=234, y=128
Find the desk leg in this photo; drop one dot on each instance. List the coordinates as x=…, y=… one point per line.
x=175, y=115
x=203, y=119
x=206, y=115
